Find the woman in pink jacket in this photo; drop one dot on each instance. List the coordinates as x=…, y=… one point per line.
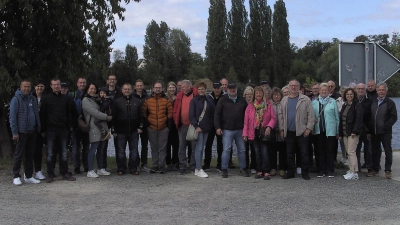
x=259, y=114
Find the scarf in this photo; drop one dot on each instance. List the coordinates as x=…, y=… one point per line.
x=259, y=113
x=324, y=101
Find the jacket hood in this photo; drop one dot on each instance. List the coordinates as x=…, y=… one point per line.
x=144, y=94
x=19, y=92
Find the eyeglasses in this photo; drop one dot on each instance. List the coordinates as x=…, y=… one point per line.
x=331, y=86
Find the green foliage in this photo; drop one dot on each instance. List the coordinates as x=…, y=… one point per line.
x=393, y=85
x=131, y=59
x=231, y=76
x=328, y=65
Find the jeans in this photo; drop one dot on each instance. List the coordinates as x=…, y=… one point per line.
x=25, y=146
x=57, y=140
x=182, y=149
x=158, y=143
x=200, y=142
x=261, y=150
x=386, y=140
x=99, y=146
x=292, y=143
x=326, y=152
x=80, y=140
x=227, y=138
x=208, y=149
x=121, y=141
x=367, y=150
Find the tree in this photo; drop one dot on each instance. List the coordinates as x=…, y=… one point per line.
x=216, y=46
x=328, y=65
x=280, y=45
x=178, y=54
x=237, y=44
x=131, y=60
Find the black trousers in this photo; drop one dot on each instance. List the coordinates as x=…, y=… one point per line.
x=208, y=148
x=25, y=147
x=386, y=141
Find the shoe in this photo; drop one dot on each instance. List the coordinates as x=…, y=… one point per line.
x=206, y=168
x=224, y=173
x=363, y=166
x=103, y=172
x=92, y=174
x=17, y=181
x=253, y=171
x=69, y=177
x=245, y=173
x=145, y=168
x=388, y=175
x=258, y=175
x=121, y=173
x=182, y=171
x=193, y=170
x=298, y=170
x=231, y=165
x=282, y=173
x=348, y=171
x=320, y=175
x=162, y=171
x=331, y=175
x=306, y=177
x=288, y=176
x=50, y=178
x=39, y=175
x=31, y=181
x=267, y=176
x=135, y=172
x=351, y=176
x=105, y=136
x=372, y=173
x=201, y=173
x=155, y=170
x=77, y=170
x=219, y=169
x=273, y=172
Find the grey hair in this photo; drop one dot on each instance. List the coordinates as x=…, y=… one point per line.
x=323, y=85
x=342, y=88
x=187, y=82
x=298, y=82
x=382, y=84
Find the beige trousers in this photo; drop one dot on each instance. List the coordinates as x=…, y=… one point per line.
x=351, y=144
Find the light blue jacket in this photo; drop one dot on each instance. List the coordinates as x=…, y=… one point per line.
x=331, y=114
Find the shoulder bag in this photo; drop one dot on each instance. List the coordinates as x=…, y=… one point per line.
x=192, y=134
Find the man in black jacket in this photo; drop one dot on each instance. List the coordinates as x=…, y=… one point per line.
x=229, y=122
x=56, y=120
x=383, y=117
x=371, y=90
x=127, y=123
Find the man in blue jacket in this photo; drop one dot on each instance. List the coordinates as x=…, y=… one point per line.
x=24, y=122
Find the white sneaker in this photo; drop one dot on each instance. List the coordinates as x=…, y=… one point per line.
x=298, y=170
x=352, y=176
x=17, y=181
x=103, y=172
x=92, y=174
x=39, y=175
x=348, y=171
x=31, y=181
x=253, y=171
x=201, y=173
x=196, y=172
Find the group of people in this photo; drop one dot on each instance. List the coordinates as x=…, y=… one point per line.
x=297, y=124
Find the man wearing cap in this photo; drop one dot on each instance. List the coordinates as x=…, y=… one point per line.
x=215, y=95
x=264, y=84
x=229, y=122
x=64, y=88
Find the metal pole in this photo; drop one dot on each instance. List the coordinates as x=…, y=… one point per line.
x=366, y=60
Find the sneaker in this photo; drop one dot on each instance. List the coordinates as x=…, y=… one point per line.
x=39, y=175
x=320, y=175
x=224, y=173
x=105, y=136
x=253, y=171
x=196, y=171
x=298, y=170
x=50, y=178
x=372, y=173
x=348, y=171
x=266, y=176
x=201, y=173
x=331, y=175
x=258, y=175
x=145, y=168
x=68, y=177
x=182, y=171
x=219, y=169
x=388, y=175
x=244, y=173
x=77, y=170
x=92, y=174
x=273, y=172
x=282, y=173
x=162, y=171
x=121, y=173
x=17, y=181
x=103, y=172
x=31, y=181
x=351, y=176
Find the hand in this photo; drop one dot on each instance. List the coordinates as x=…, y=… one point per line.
x=198, y=130
x=109, y=118
x=282, y=135
x=115, y=134
x=245, y=138
x=15, y=138
x=307, y=132
x=267, y=131
x=353, y=135
x=340, y=138
x=139, y=131
x=219, y=131
x=337, y=136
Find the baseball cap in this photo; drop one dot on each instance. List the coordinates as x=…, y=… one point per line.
x=232, y=85
x=217, y=84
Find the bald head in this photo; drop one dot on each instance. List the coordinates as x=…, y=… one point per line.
x=361, y=90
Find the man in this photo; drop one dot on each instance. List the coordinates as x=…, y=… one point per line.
x=182, y=122
x=127, y=122
x=315, y=92
x=224, y=84
x=366, y=104
x=56, y=119
x=216, y=95
x=178, y=86
x=157, y=111
x=296, y=121
x=383, y=117
x=332, y=90
x=80, y=139
x=264, y=84
x=24, y=124
x=142, y=96
x=229, y=122
x=64, y=88
x=371, y=92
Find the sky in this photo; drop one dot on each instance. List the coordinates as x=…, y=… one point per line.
x=308, y=20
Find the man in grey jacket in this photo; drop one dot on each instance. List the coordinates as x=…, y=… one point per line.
x=24, y=122
x=296, y=121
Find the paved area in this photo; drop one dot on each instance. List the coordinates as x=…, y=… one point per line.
x=187, y=199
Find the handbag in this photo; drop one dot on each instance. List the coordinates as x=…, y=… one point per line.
x=192, y=135
x=85, y=127
x=267, y=138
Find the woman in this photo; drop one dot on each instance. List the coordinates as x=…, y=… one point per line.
x=285, y=90
x=248, y=94
x=91, y=112
x=339, y=103
x=173, y=137
x=351, y=124
x=201, y=115
x=259, y=114
x=267, y=96
x=278, y=144
x=326, y=129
